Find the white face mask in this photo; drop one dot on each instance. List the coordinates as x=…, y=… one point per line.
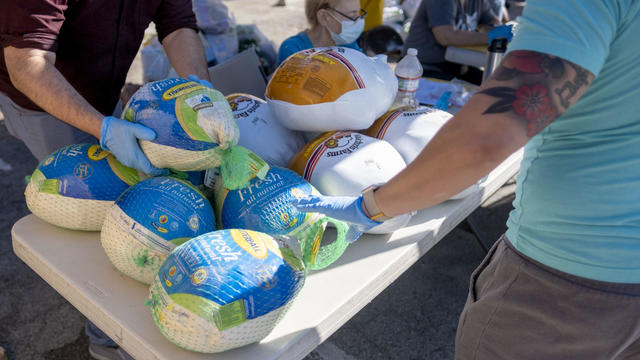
x=350, y=31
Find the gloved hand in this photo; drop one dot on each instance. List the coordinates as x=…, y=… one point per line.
x=201, y=82
x=345, y=208
x=120, y=137
x=502, y=31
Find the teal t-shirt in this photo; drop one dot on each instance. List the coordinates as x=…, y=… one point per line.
x=577, y=205
x=301, y=41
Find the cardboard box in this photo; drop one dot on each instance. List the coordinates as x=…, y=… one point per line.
x=240, y=74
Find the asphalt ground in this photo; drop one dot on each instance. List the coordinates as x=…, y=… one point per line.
x=414, y=318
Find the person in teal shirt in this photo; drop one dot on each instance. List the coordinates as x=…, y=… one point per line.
x=564, y=281
x=331, y=23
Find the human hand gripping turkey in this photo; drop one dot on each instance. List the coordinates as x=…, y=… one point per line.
x=120, y=137
x=345, y=208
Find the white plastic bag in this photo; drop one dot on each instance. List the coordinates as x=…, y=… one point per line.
x=220, y=47
x=212, y=16
x=155, y=63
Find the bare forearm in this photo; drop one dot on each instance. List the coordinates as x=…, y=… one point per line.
x=461, y=154
x=527, y=92
x=34, y=74
x=451, y=37
x=185, y=52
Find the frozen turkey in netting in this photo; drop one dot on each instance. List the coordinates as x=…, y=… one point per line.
x=195, y=129
x=343, y=163
x=261, y=132
x=325, y=89
x=265, y=206
x=409, y=131
x=149, y=220
x=224, y=289
x=75, y=186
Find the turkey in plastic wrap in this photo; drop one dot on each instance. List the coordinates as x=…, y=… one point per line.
x=409, y=131
x=261, y=132
x=195, y=129
x=343, y=163
x=224, y=289
x=336, y=88
x=75, y=186
x=149, y=220
x=265, y=206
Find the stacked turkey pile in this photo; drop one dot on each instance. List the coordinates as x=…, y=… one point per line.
x=219, y=243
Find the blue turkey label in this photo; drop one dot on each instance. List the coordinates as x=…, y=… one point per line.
x=170, y=107
x=86, y=171
x=169, y=208
x=228, y=266
x=264, y=204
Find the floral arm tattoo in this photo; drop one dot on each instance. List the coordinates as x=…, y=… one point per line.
x=536, y=87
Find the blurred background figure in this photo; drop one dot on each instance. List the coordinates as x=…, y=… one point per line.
x=499, y=9
x=441, y=23
x=331, y=23
x=382, y=39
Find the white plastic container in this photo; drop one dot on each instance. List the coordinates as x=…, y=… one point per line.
x=408, y=72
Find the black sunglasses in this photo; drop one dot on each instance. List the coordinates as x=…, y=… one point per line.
x=363, y=13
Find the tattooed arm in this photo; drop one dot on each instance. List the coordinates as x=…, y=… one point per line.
x=534, y=88
x=527, y=92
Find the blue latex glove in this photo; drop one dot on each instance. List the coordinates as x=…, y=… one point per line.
x=345, y=208
x=443, y=102
x=120, y=137
x=201, y=82
x=502, y=31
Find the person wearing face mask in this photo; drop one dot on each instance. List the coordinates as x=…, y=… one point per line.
x=331, y=23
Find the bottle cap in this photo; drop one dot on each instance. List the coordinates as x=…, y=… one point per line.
x=412, y=51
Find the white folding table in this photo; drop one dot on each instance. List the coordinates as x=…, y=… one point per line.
x=467, y=55
x=74, y=263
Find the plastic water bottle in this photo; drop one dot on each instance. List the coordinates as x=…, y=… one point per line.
x=408, y=71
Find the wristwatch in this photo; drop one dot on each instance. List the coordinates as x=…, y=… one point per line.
x=371, y=208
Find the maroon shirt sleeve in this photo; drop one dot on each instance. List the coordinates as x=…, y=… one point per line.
x=31, y=23
x=173, y=15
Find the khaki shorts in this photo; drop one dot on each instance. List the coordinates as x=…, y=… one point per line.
x=520, y=309
x=39, y=131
